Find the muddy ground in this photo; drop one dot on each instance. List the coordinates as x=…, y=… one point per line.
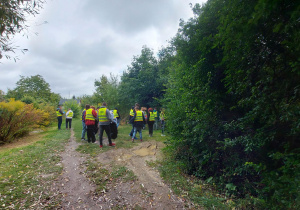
x=147, y=191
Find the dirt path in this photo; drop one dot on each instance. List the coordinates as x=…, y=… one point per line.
x=74, y=186
x=146, y=192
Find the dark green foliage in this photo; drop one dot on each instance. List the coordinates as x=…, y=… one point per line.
x=139, y=84
x=233, y=92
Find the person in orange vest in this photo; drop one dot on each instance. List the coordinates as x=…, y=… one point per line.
x=151, y=120
x=105, y=118
x=138, y=122
x=89, y=118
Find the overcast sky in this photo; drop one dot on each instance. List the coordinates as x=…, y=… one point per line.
x=84, y=39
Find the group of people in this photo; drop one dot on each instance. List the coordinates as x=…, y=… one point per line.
x=69, y=117
x=139, y=117
x=98, y=119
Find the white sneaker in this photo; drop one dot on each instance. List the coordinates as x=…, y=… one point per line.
x=163, y=135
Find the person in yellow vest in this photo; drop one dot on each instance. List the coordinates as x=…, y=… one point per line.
x=131, y=114
x=89, y=118
x=105, y=118
x=59, y=114
x=117, y=115
x=83, y=125
x=162, y=117
x=138, y=122
x=69, y=117
x=151, y=120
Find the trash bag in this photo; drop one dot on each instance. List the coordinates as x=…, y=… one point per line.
x=114, y=130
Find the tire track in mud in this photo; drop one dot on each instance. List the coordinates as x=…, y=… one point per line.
x=148, y=191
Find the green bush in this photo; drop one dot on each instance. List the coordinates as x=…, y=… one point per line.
x=74, y=107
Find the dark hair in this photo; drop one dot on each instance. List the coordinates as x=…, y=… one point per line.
x=104, y=104
x=87, y=106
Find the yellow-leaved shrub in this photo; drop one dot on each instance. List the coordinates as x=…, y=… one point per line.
x=18, y=118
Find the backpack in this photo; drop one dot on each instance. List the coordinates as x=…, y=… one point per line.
x=114, y=130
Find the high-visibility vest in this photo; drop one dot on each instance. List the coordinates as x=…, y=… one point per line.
x=102, y=115
x=162, y=115
x=116, y=113
x=83, y=111
x=131, y=112
x=89, y=115
x=138, y=116
x=152, y=117
x=58, y=113
x=70, y=114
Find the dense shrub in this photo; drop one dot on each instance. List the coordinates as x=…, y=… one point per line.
x=233, y=95
x=18, y=118
x=74, y=107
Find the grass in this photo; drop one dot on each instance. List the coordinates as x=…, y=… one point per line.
x=27, y=172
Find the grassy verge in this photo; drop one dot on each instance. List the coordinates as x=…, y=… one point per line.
x=26, y=173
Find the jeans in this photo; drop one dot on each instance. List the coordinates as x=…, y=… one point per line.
x=131, y=132
x=163, y=125
x=59, y=119
x=150, y=125
x=68, y=122
x=156, y=124
x=137, y=129
x=118, y=121
x=107, y=130
x=83, y=130
x=91, y=133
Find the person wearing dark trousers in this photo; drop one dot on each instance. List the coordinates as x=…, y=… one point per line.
x=131, y=114
x=89, y=118
x=138, y=122
x=151, y=120
x=105, y=118
x=59, y=114
x=69, y=116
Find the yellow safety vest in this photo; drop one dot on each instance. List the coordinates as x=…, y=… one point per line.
x=116, y=113
x=152, y=117
x=89, y=115
x=162, y=115
x=102, y=115
x=58, y=113
x=131, y=112
x=138, y=116
x=70, y=114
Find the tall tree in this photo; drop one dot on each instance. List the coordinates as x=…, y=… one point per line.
x=13, y=14
x=139, y=83
x=107, y=90
x=34, y=86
